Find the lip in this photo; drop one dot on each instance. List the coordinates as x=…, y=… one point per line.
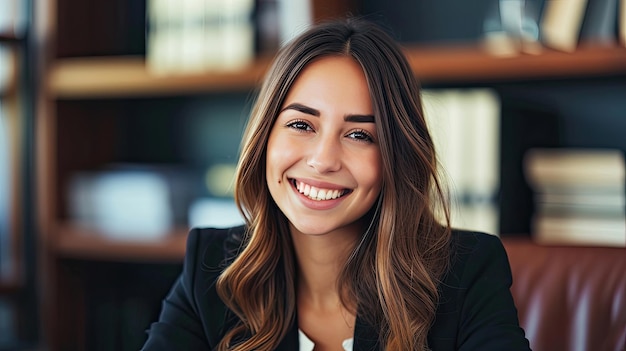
x=318, y=204
x=319, y=184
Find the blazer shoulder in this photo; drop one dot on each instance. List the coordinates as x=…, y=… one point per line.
x=476, y=310
x=214, y=247
x=193, y=315
x=465, y=243
x=473, y=253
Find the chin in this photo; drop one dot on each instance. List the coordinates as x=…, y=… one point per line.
x=312, y=231
x=313, y=228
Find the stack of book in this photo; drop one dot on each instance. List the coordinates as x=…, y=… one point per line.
x=579, y=196
x=196, y=36
x=465, y=126
x=191, y=36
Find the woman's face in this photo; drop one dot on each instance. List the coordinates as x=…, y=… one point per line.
x=323, y=158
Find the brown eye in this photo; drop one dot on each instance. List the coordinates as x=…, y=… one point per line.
x=361, y=135
x=299, y=125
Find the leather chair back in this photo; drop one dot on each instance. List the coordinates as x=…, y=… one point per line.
x=569, y=298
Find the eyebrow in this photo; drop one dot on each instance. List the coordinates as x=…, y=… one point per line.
x=313, y=112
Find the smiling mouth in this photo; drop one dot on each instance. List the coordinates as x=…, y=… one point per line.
x=318, y=194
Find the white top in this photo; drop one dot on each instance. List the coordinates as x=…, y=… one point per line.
x=307, y=345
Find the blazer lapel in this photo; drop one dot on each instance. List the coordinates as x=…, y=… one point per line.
x=365, y=337
x=290, y=342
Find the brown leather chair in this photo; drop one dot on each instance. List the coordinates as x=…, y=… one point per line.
x=569, y=298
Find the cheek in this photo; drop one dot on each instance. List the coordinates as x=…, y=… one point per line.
x=271, y=160
x=372, y=173
x=279, y=154
x=270, y=156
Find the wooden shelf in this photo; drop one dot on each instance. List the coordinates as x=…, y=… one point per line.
x=465, y=64
x=128, y=76
x=9, y=38
x=78, y=78
x=77, y=242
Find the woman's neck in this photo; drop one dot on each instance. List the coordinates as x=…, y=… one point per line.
x=322, y=315
x=320, y=259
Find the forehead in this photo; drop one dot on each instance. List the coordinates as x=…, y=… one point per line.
x=333, y=66
x=332, y=79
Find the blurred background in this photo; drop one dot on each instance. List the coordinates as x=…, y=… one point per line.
x=120, y=124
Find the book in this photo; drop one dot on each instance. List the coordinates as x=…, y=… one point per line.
x=162, y=37
x=622, y=22
x=294, y=16
x=267, y=26
x=580, y=230
x=599, y=23
x=582, y=201
x=5, y=18
x=7, y=257
x=465, y=124
x=565, y=167
x=561, y=23
x=194, y=36
x=483, y=120
x=7, y=70
x=511, y=28
x=236, y=34
x=579, y=196
x=4, y=195
x=12, y=18
x=192, y=40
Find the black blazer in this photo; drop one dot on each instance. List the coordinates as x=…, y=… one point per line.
x=475, y=312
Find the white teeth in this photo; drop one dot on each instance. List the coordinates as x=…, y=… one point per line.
x=321, y=195
x=333, y=195
x=316, y=193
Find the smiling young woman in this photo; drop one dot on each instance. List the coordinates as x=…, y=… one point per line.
x=341, y=250
x=317, y=147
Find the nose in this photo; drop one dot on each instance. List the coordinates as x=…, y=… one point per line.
x=325, y=155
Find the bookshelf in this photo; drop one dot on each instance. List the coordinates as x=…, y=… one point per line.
x=128, y=76
x=97, y=94
x=80, y=243
x=123, y=77
x=473, y=65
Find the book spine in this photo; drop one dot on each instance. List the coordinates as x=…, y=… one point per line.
x=236, y=34
x=580, y=231
x=9, y=202
x=161, y=51
x=598, y=27
x=295, y=16
x=192, y=55
x=560, y=25
x=622, y=22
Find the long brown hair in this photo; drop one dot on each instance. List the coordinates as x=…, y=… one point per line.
x=394, y=271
